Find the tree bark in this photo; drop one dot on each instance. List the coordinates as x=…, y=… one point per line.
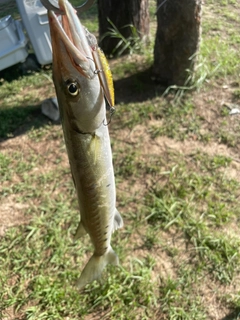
x=177, y=40
x=122, y=13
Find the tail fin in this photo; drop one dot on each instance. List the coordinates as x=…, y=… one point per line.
x=95, y=266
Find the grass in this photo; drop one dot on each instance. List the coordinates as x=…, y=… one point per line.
x=131, y=44
x=177, y=174
x=197, y=207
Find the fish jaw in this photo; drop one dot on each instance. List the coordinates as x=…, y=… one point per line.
x=75, y=29
x=88, y=45
x=85, y=111
x=73, y=35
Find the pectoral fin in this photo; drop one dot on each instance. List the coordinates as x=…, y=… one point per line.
x=118, y=221
x=80, y=232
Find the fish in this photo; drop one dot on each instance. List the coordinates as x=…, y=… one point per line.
x=82, y=81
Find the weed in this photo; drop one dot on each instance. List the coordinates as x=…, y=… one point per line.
x=5, y=173
x=131, y=44
x=177, y=302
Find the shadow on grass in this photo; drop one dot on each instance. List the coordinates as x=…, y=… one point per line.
x=11, y=73
x=137, y=88
x=19, y=70
x=9, y=7
x=18, y=120
x=235, y=315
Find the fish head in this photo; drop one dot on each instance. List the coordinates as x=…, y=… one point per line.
x=79, y=92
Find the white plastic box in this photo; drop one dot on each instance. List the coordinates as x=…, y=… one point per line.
x=35, y=20
x=13, y=43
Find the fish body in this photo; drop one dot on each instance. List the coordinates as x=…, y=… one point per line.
x=82, y=107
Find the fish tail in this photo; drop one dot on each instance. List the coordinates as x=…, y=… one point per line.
x=95, y=266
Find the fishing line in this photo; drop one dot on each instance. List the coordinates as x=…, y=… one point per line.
x=161, y=4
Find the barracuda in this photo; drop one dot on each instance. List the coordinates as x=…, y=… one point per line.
x=81, y=77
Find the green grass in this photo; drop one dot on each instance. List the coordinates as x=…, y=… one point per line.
x=21, y=98
x=41, y=263
x=196, y=204
x=177, y=173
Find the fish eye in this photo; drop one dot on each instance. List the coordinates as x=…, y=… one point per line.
x=73, y=88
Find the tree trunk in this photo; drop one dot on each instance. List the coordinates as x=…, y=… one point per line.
x=122, y=13
x=177, y=40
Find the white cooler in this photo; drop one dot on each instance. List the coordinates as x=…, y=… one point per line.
x=35, y=20
x=13, y=43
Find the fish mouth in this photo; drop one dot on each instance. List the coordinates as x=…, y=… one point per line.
x=68, y=29
x=72, y=42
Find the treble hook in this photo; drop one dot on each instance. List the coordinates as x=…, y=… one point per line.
x=112, y=110
x=50, y=6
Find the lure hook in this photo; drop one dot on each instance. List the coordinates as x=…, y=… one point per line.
x=48, y=4
x=112, y=110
